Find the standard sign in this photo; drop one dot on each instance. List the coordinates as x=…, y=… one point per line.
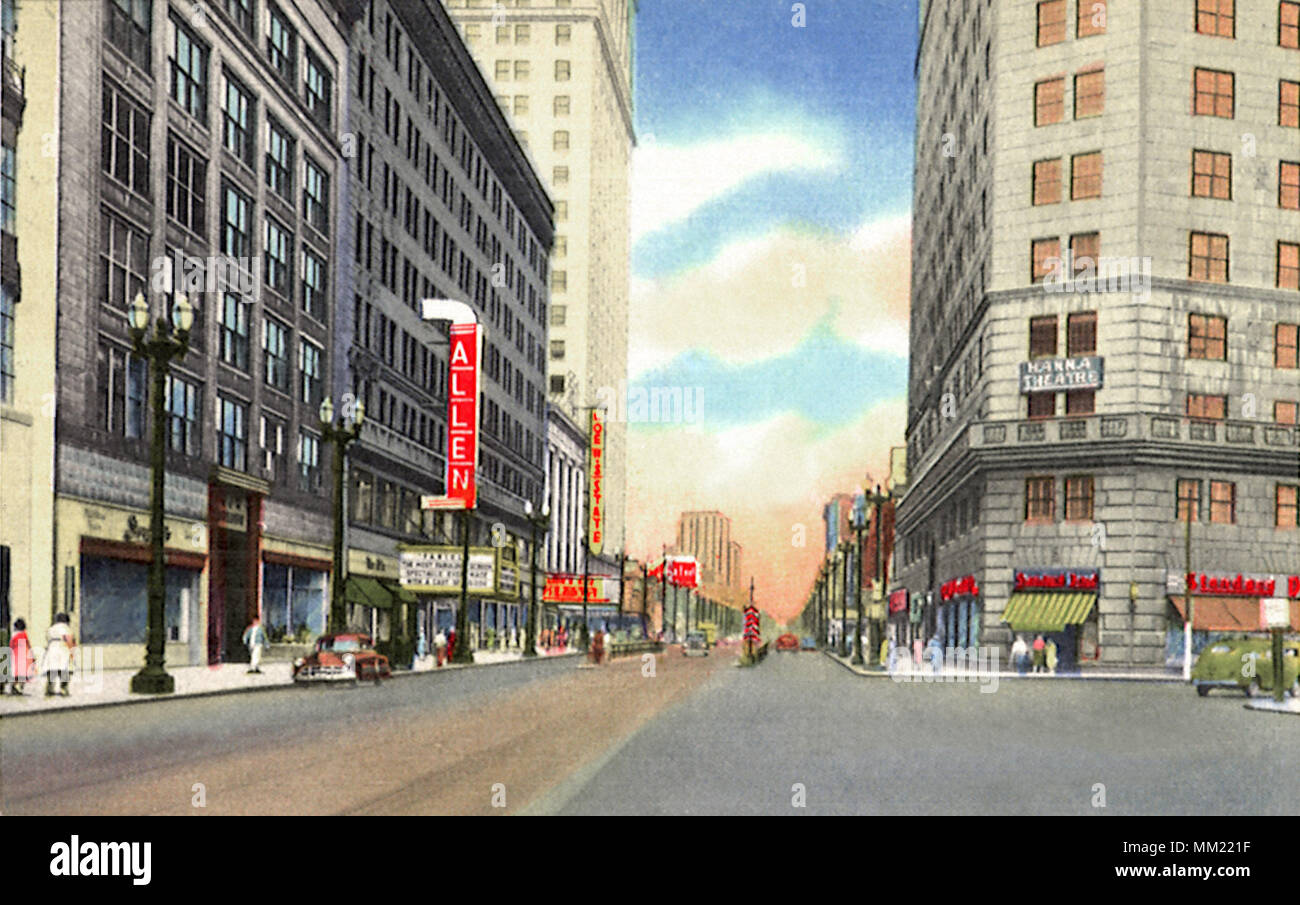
x=1050, y=375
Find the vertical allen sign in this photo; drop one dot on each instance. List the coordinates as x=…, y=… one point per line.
x=462, y=414
x=595, y=484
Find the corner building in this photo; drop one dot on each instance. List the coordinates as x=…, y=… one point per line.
x=1062, y=429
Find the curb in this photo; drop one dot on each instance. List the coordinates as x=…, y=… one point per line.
x=1072, y=677
x=404, y=674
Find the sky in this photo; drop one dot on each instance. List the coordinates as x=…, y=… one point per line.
x=771, y=248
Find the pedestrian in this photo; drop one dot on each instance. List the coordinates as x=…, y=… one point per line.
x=421, y=646
x=1053, y=656
x=255, y=640
x=1040, y=654
x=1020, y=654
x=598, y=646
x=451, y=646
x=440, y=647
x=21, y=661
x=57, y=663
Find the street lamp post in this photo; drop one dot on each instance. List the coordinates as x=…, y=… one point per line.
x=844, y=549
x=341, y=433
x=858, y=516
x=540, y=522
x=159, y=348
x=877, y=500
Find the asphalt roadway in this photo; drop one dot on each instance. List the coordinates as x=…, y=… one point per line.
x=797, y=735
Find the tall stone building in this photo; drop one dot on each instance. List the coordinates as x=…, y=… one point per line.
x=563, y=70
x=1105, y=283
x=197, y=152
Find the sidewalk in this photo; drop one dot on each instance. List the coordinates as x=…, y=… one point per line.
x=113, y=686
x=1155, y=674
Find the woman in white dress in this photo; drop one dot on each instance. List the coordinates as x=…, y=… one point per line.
x=57, y=664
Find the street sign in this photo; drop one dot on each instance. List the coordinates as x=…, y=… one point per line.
x=441, y=502
x=1275, y=612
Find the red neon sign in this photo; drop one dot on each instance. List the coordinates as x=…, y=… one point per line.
x=462, y=414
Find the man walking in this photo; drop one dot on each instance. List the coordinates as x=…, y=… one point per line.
x=440, y=646
x=255, y=640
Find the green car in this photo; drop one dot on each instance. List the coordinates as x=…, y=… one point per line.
x=1227, y=664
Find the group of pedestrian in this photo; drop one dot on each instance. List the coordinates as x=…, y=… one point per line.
x=1040, y=657
x=555, y=640
x=55, y=665
x=602, y=646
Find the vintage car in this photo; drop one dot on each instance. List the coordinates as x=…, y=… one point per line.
x=1227, y=663
x=808, y=642
x=342, y=658
x=697, y=644
x=788, y=642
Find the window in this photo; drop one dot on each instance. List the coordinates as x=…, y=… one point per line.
x=1285, y=340
x=557, y=349
x=1092, y=18
x=1286, y=411
x=1212, y=93
x=1209, y=257
x=560, y=176
x=1085, y=176
x=1040, y=499
x=128, y=26
x=275, y=352
x=309, y=355
x=189, y=71
x=315, y=195
x=1051, y=22
x=1287, y=512
x=1045, y=256
x=362, y=496
x=242, y=12
x=236, y=231
x=308, y=462
x=1288, y=104
x=124, y=140
x=1215, y=17
x=562, y=70
x=318, y=89
x=561, y=247
x=559, y=281
x=520, y=105
x=1210, y=407
x=1042, y=405
x=1288, y=185
x=1288, y=24
x=1189, y=500
x=124, y=251
x=314, y=301
x=523, y=34
x=271, y=438
x=560, y=141
x=7, y=373
x=1047, y=181
x=8, y=189
x=1081, y=333
x=1049, y=102
x=1211, y=175
x=561, y=105
x=502, y=70
x=279, y=159
x=187, y=176
x=563, y=34
x=1078, y=498
x=561, y=211
x=282, y=45
x=1089, y=93
x=1288, y=265
x=522, y=70
x=123, y=392
x=234, y=330
x=237, y=119
x=1080, y=402
x=1207, y=337
x=557, y=315
x=276, y=257
x=1042, y=336
x=557, y=383
x=1085, y=250
x=232, y=433
x=1223, y=502
x=181, y=403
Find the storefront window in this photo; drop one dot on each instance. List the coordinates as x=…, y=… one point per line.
x=115, y=602
x=293, y=602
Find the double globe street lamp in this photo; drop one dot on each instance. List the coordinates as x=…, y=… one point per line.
x=166, y=342
x=341, y=433
x=540, y=522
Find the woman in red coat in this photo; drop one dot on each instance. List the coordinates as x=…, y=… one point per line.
x=21, y=660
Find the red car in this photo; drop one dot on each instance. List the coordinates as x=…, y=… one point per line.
x=787, y=642
x=342, y=658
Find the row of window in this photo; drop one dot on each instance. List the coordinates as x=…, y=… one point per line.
x=1207, y=258
x=519, y=105
x=1210, y=17
x=521, y=70
x=520, y=33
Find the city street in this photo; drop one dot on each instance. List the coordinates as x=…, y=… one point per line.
x=697, y=737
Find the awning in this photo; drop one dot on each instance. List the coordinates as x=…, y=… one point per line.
x=364, y=591
x=401, y=593
x=1048, y=611
x=1228, y=614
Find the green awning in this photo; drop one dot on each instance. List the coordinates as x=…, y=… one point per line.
x=364, y=591
x=1043, y=611
x=401, y=593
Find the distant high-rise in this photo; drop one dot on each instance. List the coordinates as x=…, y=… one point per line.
x=707, y=537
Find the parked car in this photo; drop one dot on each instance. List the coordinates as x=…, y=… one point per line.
x=808, y=643
x=788, y=642
x=697, y=644
x=1225, y=664
x=342, y=658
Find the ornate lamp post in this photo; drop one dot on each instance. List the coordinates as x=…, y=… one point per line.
x=844, y=550
x=859, y=519
x=877, y=501
x=540, y=522
x=341, y=434
x=166, y=342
